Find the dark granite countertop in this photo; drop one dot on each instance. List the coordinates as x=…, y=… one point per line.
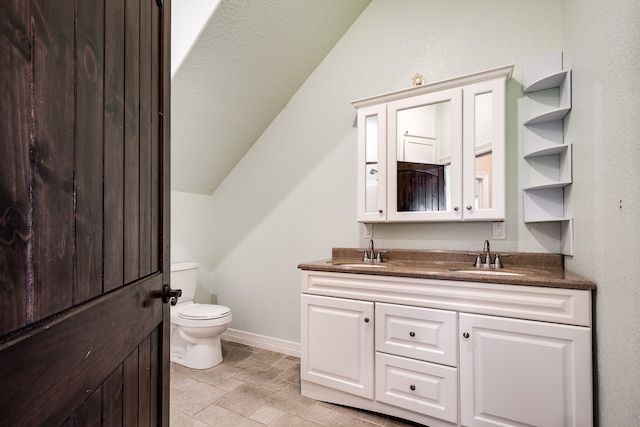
x=528, y=269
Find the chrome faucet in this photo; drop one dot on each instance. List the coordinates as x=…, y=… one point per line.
x=370, y=255
x=487, y=258
x=487, y=255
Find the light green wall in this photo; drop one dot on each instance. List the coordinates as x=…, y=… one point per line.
x=293, y=196
x=601, y=41
x=191, y=218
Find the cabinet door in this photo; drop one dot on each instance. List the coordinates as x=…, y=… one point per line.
x=337, y=344
x=484, y=151
x=517, y=372
x=372, y=163
x=424, y=157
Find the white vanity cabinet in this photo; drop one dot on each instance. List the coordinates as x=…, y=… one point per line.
x=434, y=152
x=445, y=352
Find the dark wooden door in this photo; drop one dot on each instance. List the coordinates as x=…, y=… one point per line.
x=84, y=212
x=421, y=187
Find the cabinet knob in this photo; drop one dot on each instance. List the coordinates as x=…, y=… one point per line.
x=412, y=334
x=466, y=334
x=412, y=387
x=455, y=208
x=469, y=207
x=366, y=320
x=379, y=211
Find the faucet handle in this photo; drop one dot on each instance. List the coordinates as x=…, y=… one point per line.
x=365, y=255
x=497, y=263
x=478, y=262
x=379, y=257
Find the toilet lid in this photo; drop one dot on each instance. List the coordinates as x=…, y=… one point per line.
x=204, y=311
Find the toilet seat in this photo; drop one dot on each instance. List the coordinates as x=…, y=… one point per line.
x=204, y=312
x=193, y=315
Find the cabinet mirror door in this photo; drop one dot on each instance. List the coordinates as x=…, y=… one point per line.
x=372, y=165
x=425, y=157
x=484, y=170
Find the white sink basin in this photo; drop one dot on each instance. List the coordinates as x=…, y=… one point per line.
x=490, y=272
x=364, y=265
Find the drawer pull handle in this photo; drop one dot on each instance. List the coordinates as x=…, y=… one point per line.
x=366, y=320
x=412, y=387
x=412, y=334
x=466, y=334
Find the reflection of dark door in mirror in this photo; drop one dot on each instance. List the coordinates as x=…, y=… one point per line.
x=420, y=187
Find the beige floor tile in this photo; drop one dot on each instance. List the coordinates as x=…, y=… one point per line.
x=263, y=375
x=180, y=419
x=291, y=375
x=288, y=420
x=245, y=399
x=217, y=374
x=230, y=384
x=255, y=388
x=287, y=363
x=374, y=418
x=268, y=357
x=318, y=414
x=184, y=383
x=194, y=399
x=266, y=414
x=212, y=413
x=235, y=420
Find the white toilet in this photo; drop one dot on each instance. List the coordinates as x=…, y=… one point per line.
x=195, y=328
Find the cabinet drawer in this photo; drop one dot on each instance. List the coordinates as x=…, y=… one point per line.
x=419, y=333
x=421, y=387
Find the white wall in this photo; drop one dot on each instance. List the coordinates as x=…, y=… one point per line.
x=188, y=22
x=601, y=41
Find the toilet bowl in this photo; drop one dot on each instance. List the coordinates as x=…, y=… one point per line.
x=195, y=328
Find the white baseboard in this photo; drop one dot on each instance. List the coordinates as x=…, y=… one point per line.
x=289, y=348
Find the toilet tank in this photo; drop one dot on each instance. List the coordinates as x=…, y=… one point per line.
x=184, y=275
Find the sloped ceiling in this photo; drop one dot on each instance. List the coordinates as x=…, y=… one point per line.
x=247, y=62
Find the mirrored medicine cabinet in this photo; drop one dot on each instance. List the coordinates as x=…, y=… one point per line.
x=434, y=152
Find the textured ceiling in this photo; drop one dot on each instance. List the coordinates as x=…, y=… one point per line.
x=247, y=62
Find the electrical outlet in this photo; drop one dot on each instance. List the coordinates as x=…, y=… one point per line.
x=499, y=231
x=367, y=231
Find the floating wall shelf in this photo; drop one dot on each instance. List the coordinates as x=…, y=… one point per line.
x=544, y=136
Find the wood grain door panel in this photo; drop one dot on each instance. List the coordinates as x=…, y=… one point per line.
x=84, y=212
x=68, y=358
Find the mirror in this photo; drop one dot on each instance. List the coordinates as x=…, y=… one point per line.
x=424, y=158
x=483, y=132
x=371, y=161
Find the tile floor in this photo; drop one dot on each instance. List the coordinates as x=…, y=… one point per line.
x=256, y=387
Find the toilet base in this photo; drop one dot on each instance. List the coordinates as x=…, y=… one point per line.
x=206, y=354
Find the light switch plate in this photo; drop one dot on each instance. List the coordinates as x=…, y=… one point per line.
x=367, y=231
x=499, y=230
